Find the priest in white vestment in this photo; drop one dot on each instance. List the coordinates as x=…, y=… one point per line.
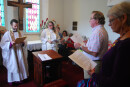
x=14, y=58
x=48, y=38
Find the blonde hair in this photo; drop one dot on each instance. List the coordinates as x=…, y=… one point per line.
x=119, y=10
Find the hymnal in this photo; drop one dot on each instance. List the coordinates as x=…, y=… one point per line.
x=44, y=57
x=77, y=39
x=83, y=61
x=20, y=40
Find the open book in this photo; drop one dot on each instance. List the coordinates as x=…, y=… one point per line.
x=20, y=40
x=44, y=57
x=77, y=39
x=83, y=61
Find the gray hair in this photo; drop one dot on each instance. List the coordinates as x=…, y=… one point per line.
x=99, y=16
x=119, y=10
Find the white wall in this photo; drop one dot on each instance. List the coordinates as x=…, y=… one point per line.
x=80, y=10
x=44, y=7
x=56, y=11
x=10, y=13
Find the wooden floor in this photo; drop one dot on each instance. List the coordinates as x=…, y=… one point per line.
x=70, y=73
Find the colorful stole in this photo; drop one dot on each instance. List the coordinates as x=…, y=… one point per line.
x=48, y=35
x=14, y=46
x=49, y=38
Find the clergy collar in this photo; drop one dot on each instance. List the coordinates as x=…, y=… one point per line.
x=14, y=31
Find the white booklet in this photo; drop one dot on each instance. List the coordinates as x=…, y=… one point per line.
x=77, y=39
x=44, y=57
x=83, y=61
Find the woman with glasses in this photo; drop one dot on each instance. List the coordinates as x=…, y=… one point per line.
x=48, y=37
x=115, y=63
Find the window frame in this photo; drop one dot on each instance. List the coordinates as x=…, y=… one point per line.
x=2, y=13
x=25, y=21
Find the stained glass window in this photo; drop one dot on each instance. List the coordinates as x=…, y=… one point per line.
x=33, y=16
x=2, y=17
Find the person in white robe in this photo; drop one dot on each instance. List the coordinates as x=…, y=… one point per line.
x=48, y=37
x=14, y=58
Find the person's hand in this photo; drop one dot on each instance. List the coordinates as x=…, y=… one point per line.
x=56, y=41
x=12, y=42
x=49, y=41
x=90, y=72
x=77, y=45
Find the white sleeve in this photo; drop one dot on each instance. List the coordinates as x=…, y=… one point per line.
x=5, y=42
x=43, y=36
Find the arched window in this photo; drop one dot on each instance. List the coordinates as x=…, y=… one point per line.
x=2, y=17
x=33, y=17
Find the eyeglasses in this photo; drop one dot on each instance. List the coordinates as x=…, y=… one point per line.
x=92, y=18
x=50, y=25
x=111, y=20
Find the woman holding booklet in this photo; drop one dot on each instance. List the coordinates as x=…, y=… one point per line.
x=48, y=37
x=114, y=71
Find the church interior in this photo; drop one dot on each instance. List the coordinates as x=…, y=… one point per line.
x=70, y=15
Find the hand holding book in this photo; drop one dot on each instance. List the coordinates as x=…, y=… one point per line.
x=83, y=61
x=90, y=72
x=77, y=45
x=20, y=40
x=77, y=39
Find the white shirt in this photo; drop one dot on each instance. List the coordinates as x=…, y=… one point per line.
x=98, y=42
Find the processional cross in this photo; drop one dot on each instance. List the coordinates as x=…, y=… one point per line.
x=21, y=7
